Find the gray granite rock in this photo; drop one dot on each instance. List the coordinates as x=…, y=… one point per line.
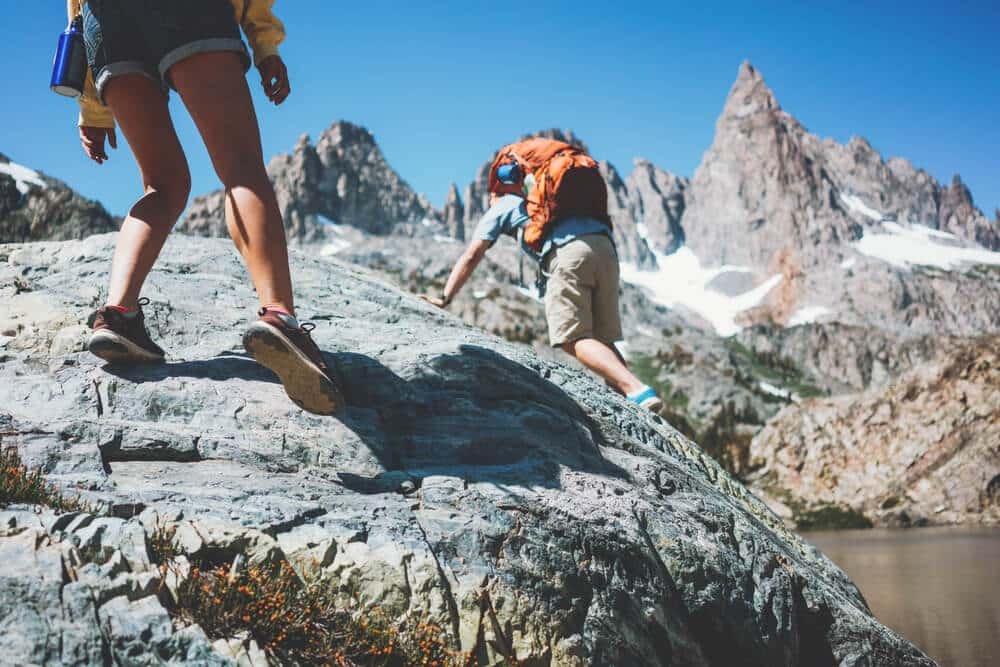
x=454, y=214
x=657, y=200
x=515, y=501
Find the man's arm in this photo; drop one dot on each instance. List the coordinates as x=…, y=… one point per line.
x=460, y=273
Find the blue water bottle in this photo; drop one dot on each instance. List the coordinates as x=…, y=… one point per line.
x=69, y=70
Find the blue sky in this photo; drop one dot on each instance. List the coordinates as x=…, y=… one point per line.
x=442, y=84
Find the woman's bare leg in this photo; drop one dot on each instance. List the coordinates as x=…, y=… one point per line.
x=215, y=92
x=140, y=108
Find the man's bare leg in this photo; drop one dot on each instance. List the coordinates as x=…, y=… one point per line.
x=606, y=362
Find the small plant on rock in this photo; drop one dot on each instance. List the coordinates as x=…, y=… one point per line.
x=18, y=484
x=161, y=545
x=300, y=622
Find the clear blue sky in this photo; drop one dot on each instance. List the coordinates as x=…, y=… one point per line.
x=442, y=84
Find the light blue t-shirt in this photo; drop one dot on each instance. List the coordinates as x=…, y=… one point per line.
x=509, y=215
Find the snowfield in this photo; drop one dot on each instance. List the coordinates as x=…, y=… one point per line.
x=858, y=206
x=905, y=245
x=682, y=281
x=807, y=315
x=24, y=178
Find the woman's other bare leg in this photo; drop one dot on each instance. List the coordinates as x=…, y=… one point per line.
x=214, y=89
x=140, y=108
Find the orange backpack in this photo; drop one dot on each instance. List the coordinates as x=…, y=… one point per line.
x=567, y=183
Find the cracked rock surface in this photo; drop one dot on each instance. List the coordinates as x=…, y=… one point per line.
x=515, y=501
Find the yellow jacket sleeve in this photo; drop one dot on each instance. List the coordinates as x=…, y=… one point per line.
x=92, y=112
x=263, y=29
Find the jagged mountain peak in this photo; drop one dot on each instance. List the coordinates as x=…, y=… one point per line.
x=454, y=213
x=345, y=132
x=750, y=94
x=768, y=187
x=343, y=178
x=303, y=143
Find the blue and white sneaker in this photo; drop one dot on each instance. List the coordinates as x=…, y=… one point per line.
x=646, y=398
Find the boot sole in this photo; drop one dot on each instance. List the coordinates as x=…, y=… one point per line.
x=116, y=349
x=305, y=383
x=653, y=405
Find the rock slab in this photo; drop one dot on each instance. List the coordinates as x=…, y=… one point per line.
x=517, y=502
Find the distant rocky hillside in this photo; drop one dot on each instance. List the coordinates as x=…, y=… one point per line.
x=343, y=178
x=924, y=449
x=36, y=207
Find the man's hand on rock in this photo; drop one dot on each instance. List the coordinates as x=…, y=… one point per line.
x=438, y=301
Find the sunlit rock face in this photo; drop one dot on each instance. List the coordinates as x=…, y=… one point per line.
x=517, y=503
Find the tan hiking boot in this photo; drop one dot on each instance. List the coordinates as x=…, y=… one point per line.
x=278, y=342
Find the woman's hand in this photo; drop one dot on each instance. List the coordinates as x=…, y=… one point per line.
x=274, y=79
x=93, y=138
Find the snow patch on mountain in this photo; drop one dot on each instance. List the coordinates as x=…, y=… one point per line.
x=855, y=204
x=769, y=388
x=808, y=315
x=24, y=178
x=905, y=245
x=681, y=280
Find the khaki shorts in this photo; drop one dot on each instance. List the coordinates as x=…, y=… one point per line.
x=581, y=300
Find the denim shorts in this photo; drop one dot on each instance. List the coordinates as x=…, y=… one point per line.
x=151, y=36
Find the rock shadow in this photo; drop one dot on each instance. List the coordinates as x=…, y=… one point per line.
x=225, y=366
x=475, y=415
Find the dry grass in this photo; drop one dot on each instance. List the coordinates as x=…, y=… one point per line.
x=300, y=623
x=18, y=484
x=161, y=545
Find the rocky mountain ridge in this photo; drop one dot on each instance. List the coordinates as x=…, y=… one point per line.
x=767, y=186
x=343, y=178
x=36, y=207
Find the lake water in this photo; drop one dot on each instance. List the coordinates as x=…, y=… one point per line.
x=938, y=587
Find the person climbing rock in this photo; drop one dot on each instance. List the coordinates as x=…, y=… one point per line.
x=551, y=197
x=137, y=50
